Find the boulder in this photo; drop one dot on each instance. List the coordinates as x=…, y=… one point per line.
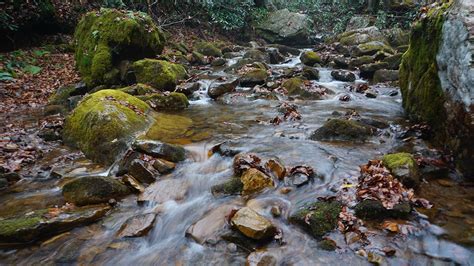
x=254, y=181
x=38, y=224
x=159, y=74
x=404, y=167
x=105, y=38
x=208, y=49
x=368, y=70
x=317, y=218
x=93, y=190
x=374, y=210
x=164, y=166
x=342, y=130
x=252, y=224
x=163, y=102
x=359, y=36
x=296, y=87
x=207, y=230
x=138, y=89
x=286, y=27
x=217, y=89
x=362, y=60
x=310, y=58
x=343, y=75
x=103, y=123
x=437, y=80
x=253, y=76
x=256, y=55
x=384, y=75
x=397, y=37
x=393, y=61
x=371, y=48
x=142, y=171
x=157, y=149
x=311, y=73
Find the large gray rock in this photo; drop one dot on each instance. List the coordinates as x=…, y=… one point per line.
x=286, y=27
x=359, y=36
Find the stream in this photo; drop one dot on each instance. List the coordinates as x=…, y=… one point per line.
x=439, y=236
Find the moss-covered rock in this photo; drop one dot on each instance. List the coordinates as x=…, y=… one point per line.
x=368, y=70
x=38, y=224
x=104, y=38
x=317, y=218
x=311, y=73
x=371, y=48
x=93, y=190
x=296, y=87
x=342, y=130
x=404, y=167
x=61, y=95
x=374, y=210
x=138, y=89
x=172, y=101
x=256, y=55
x=362, y=60
x=359, y=36
x=393, y=61
x=253, y=76
x=208, y=49
x=103, y=123
x=310, y=58
x=159, y=74
x=233, y=186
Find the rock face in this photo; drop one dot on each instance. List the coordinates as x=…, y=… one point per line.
x=286, y=27
x=103, y=123
x=105, y=38
x=252, y=224
x=437, y=78
x=36, y=225
x=93, y=189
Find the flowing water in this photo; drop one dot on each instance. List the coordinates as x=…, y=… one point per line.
x=441, y=236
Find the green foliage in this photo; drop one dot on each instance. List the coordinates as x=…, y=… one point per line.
x=20, y=62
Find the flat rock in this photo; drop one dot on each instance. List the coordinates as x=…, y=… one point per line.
x=252, y=224
x=165, y=190
x=211, y=225
x=137, y=226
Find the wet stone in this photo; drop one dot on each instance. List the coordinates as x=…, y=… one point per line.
x=234, y=186
x=137, y=226
x=142, y=171
x=252, y=225
x=93, y=189
x=373, y=209
x=164, y=190
x=134, y=184
x=343, y=75
x=209, y=228
x=276, y=168
x=217, y=89
x=227, y=148
x=163, y=166
x=317, y=218
x=161, y=150
x=255, y=181
x=342, y=130
x=299, y=179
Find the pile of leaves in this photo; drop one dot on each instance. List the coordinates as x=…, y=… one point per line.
x=377, y=183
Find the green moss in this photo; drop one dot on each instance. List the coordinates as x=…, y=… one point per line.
x=169, y=128
x=104, y=38
x=234, y=186
x=396, y=160
x=208, y=49
x=10, y=227
x=310, y=58
x=172, y=101
x=160, y=74
x=293, y=86
x=317, y=218
x=253, y=77
x=103, y=122
x=403, y=166
x=372, y=48
x=138, y=89
x=423, y=96
x=61, y=95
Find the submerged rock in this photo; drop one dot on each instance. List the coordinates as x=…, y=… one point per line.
x=254, y=180
x=252, y=224
x=297, y=87
x=137, y=226
x=404, y=167
x=342, y=130
x=93, y=189
x=164, y=190
x=159, y=74
x=104, y=38
x=103, y=123
x=161, y=150
x=374, y=209
x=217, y=89
x=169, y=128
x=317, y=218
x=39, y=224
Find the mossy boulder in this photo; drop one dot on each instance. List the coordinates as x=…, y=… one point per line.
x=310, y=58
x=296, y=87
x=359, y=36
x=138, y=89
x=105, y=38
x=208, y=49
x=342, y=130
x=362, y=60
x=253, y=76
x=311, y=73
x=317, y=218
x=38, y=225
x=159, y=74
x=172, y=101
x=256, y=55
x=93, y=190
x=61, y=96
x=384, y=75
x=102, y=125
x=371, y=48
x=404, y=167
x=374, y=210
x=368, y=70
x=283, y=26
